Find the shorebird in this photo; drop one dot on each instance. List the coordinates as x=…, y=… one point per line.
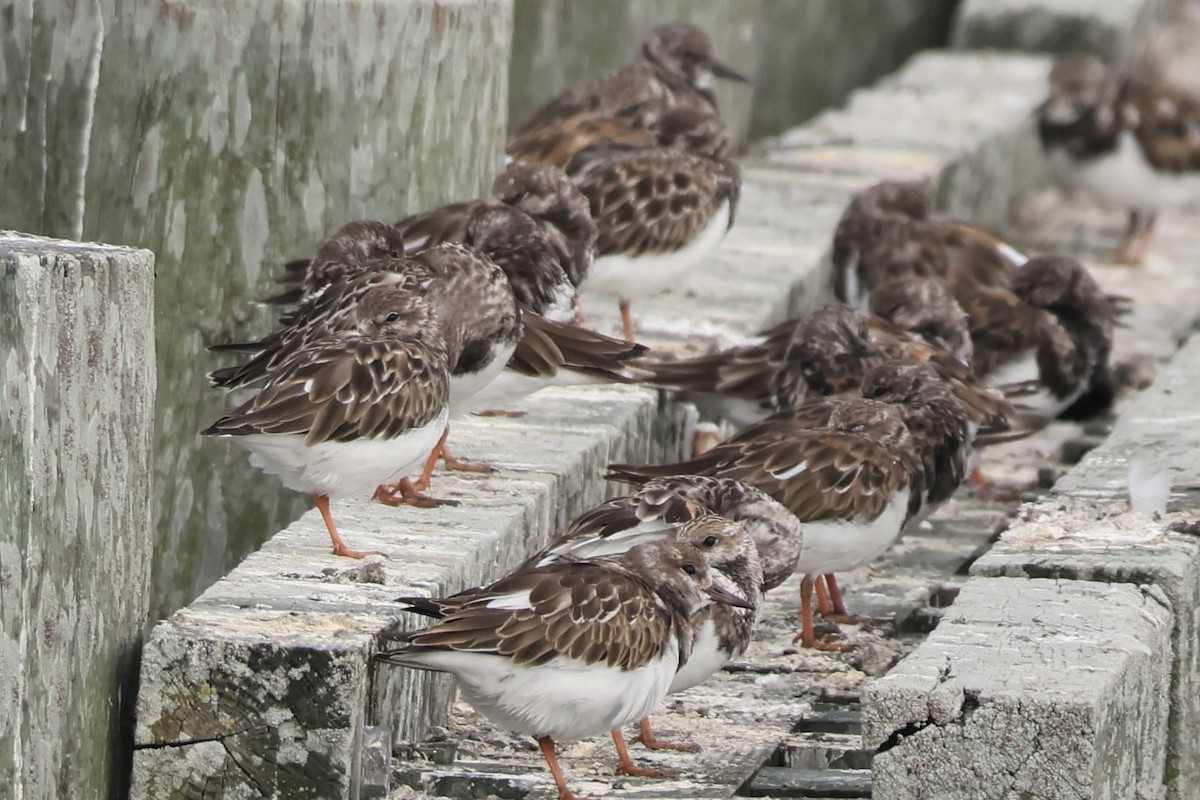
x=1130, y=141
x=571, y=648
x=351, y=413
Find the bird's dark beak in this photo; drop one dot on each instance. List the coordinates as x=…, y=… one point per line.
x=728, y=73
x=727, y=597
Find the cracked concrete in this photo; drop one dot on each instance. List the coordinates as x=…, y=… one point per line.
x=1057, y=689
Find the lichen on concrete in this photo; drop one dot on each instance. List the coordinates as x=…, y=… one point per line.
x=77, y=356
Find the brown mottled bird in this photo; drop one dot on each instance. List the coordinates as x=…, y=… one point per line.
x=1131, y=141
x=574, y=647
x=673, y=70
x=352, y=411
x=851, y=469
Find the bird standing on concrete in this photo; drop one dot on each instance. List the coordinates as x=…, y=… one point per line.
x=351, y=412
x=1131, y=142
x=572, y=648
x=847, y=467
x=674, y=69
x=756, y=549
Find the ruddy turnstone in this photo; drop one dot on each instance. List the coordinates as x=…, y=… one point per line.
x=674, y=69
x=826, y=353
x=1047, y=340
x=888, y=231
x=350, y=412
x=757, y=554
x=538, y=229
x=1132, y=142
x=926, y=308
x=660, y=210
x=847, y=467
x=571, y=648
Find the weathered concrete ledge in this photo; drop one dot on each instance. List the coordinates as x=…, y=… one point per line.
x=1032, y=689
x=77, y=360
x=1085, y=530
x=263, y=683
x=1115, y=30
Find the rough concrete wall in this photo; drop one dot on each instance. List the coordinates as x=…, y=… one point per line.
x=228, y=137
x=77, y=360
x=1114, y=30
x=818, y=51
x=557, y=43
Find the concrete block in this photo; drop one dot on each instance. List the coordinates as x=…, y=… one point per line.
x=1028, y=689
x=263, y=685
x=77, y=359
x=1112, y=31
x=229, y=138
x=1085, y=531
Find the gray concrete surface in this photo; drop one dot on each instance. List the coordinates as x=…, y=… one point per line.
x=1114, y=30
x=228, y=138
x=77, y=359
x=1086, y=530
x=1028, y=689
x=263, y=684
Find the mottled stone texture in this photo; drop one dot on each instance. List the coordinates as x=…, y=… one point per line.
x=1085, y=531
x=1114, y=30
x=813, y=53
x=77, y=360
x=1030, y=690
x=803, y=54
x=227, y=138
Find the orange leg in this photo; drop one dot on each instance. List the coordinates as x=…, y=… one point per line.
x=647, y=738
x=806, y=637
x=403, y=493
x=987, y=491
x=1144, y=240
x=1136, y=242
x=838, y=612
x=824, y=607
x=339, y=547
x=580, y=317
x=440, y=451
x=626, y=765
x=626, y=321
x=547, y=745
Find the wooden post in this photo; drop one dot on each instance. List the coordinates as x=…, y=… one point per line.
x=78, y=380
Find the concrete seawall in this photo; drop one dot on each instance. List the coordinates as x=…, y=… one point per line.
x=77, y=359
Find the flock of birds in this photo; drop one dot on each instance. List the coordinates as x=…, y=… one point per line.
x=857, y=421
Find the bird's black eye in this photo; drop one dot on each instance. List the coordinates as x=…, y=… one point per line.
x=690, y=569
x=395, y=253
x=710, y=541
x=392, y=317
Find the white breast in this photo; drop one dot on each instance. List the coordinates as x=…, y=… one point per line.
x=565, y=699
x=1125, y=179
x=630, y=277
x=342, y=469
x=707, y=657
x=465, y=387
x=838, y=545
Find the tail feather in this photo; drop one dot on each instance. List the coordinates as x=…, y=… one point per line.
x=547, y=346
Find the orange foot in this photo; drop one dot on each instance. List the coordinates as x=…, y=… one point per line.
x=651, y=742
x=626, y=765
x=339, y=547
x=402, y=493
